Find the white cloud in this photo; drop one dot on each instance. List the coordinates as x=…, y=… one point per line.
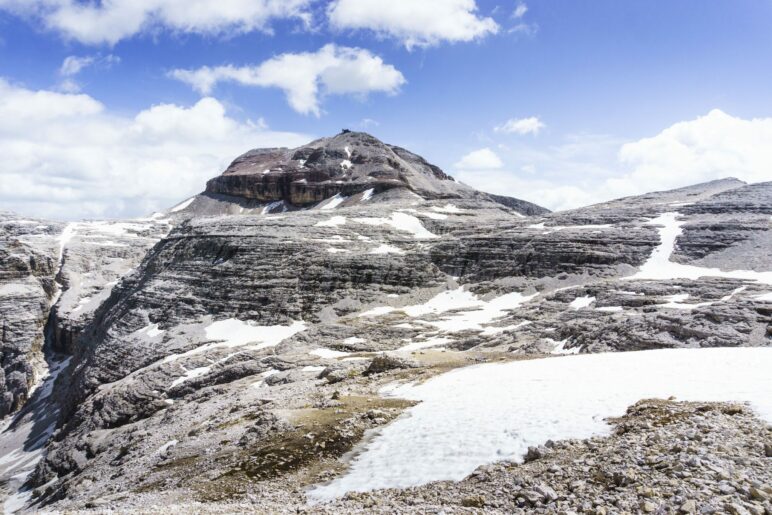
x=414, y=23
x=304, y=77
x=114, y=20
x=520, y=10
x=530, y=125
x=711, y=147
x=591, y=169
x=482, y=159
x=73, y=64
x=68, y=156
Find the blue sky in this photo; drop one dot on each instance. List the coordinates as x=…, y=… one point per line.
x=626, y=95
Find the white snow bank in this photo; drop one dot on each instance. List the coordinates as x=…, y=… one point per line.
x=677, y=301
x=445, y=301
x=611, y=309
x=367, y=195
x=581, y=302
x=182, y=205
x=401, y=222
x=447, y=208
x=659, y=266
x=150, y=330
x=766, y=297
x=488, y=312
x=487, y=413
x=469, y=311
x=387, y=249
x=334, y=202
x=191, y=374
x=236, y=333
x=332, y=222
x=560, y=347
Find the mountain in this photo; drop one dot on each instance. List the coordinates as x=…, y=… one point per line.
x=232, y=349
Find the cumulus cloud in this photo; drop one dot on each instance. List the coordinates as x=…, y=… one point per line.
x=114, y=20
x=710, y=147
x=304, y=77
x=530, y=125
x=590, y=169
x=73, y=64
x=482, y=159
x=67, y=156
x=414, y=23
x=520, y=10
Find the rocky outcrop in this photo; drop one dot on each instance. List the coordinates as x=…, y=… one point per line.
x=28, y=266
x=346, y=164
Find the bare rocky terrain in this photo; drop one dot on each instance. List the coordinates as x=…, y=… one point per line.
x=230, y=353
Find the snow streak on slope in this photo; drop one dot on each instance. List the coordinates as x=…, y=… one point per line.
x=22, y=438
x=659, y=266
x=487, y=413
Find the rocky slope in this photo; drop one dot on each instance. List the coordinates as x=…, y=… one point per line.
x=302, y=281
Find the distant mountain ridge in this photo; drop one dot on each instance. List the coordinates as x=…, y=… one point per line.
x=230, y=348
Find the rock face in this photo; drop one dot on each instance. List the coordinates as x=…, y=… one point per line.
x=240, y=355
x=28, y=266
x=347, y=164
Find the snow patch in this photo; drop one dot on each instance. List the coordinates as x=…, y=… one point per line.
x=659, y=267
x=401, y=222
x=332, y=222
x=191, y=374
x=334, y=202
x=236, y=333
x=387, y=249
x=367, y=195
x=448, y=208
x=560, y=347
x=182, y=205
x=150, y=330
x=581, y=302
x=474, y=416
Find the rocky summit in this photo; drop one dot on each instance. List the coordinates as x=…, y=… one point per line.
x=238, y=351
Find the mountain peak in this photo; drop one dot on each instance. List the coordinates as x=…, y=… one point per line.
x=347, y=163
